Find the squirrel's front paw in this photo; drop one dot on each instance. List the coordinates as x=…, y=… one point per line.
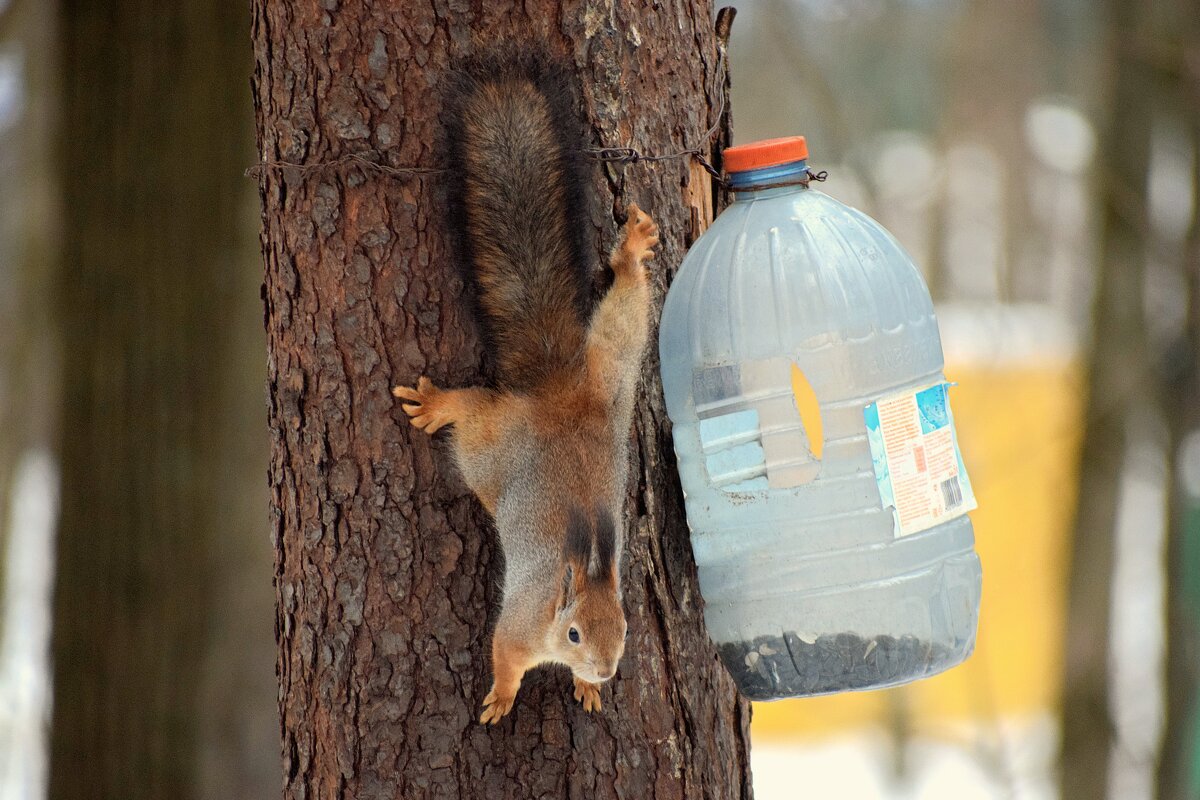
x=496, y=706
x=427, y=410
x=641, y=235
x=588, y=694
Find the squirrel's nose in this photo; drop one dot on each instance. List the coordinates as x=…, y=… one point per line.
x=605, y=674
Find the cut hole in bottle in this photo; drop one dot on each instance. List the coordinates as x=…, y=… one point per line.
x=759, y=424
x=810, y=411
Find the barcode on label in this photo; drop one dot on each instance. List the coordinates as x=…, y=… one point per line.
x=952, y=493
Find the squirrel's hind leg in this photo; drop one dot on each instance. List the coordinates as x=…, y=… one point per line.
x=621, y=323
x=639, y=237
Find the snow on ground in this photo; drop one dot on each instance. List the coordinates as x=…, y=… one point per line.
x=1009, y=761
x=25, y=646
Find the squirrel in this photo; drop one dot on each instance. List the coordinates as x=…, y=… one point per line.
x=546, y=448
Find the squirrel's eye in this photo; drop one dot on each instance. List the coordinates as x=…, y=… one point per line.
x=573, y=635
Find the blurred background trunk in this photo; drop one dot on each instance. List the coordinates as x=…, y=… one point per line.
x=386, y=571
x=1179, y=768
x=28, y=388
x=28, y=226
x=1119, y=396
x=162, y=682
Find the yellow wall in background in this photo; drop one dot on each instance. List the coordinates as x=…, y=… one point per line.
x=1019, y=428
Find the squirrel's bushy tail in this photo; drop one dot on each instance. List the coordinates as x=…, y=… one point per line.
x=519, y=207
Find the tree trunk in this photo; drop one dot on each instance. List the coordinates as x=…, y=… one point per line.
x=155, y=239
x=1115, y=390
x=1179, y=765
x=28, y=382
x=386, y=570
x=1180, y=757
x=28, y=223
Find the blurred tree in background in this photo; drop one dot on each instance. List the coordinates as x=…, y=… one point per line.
x=27, y=229
x=162, y=637
x=1177, y=65
x=1118, y=391
x=28, y=388
x=1144, y=397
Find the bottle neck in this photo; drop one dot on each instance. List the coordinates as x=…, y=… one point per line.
x=769, y=181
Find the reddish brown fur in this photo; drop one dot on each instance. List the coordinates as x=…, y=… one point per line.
x=547, y=452
x=516, y=202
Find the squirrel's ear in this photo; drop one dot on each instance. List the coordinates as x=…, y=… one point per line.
x=567, y=590
x=577, y=550
x=574, y=579
x=606, y=549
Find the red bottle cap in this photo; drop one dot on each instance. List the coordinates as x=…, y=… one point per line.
x=766, y=153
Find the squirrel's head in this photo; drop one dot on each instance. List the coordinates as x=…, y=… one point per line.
x=588, y=633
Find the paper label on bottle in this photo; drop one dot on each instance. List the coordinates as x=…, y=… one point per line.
x=918, y=466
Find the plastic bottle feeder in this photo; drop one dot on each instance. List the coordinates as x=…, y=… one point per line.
x=825, y=492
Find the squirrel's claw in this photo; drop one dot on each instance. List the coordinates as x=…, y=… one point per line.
x=641, y=234
x=405, y=393
x=495, y=707
x=424, y=391
x=426, y=411
x=588, y=694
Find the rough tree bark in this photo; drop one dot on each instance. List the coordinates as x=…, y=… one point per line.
x=386, y=570
x=1116, y=390
x=156, y=248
